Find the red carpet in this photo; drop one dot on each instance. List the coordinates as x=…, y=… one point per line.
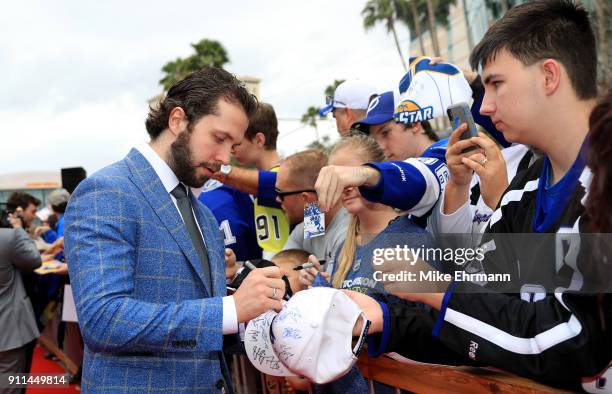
x=41, y=365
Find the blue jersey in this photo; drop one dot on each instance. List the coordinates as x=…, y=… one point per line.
x=60, y=233
x=413, y=185
x=233, y=209
x=60, y=226
x=54, y=234
x=50, y=236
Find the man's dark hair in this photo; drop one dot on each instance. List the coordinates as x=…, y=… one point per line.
x=198, y=94
x=264, y=121
x=21, y=199
x=537, y=30
x=52, y=220
x=60, y=208
x=429, y=131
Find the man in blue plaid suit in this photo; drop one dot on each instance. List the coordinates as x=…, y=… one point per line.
x=146, y=259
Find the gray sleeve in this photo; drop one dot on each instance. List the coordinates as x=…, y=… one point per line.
x=296, y=238
x=24, y=254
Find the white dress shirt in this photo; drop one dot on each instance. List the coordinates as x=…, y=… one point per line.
x=170, y=182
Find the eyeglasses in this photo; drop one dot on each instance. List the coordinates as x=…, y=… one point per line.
x=281, y=194
x=329, y=100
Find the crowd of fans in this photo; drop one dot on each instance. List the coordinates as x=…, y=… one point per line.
x=530, y=175
x=33, y=274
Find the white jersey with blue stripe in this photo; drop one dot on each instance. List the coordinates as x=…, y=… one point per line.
x=413, y=185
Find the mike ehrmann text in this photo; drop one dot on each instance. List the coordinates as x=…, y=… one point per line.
x=437, y=276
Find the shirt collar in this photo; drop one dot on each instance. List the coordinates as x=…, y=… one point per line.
x=161, y=168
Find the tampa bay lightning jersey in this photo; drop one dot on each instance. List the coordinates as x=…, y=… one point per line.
x=413, y=185
x=233, y=209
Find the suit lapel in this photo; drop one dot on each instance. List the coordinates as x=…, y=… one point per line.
x=145, y=178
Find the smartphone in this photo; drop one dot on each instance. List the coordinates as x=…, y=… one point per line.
x=460, y=113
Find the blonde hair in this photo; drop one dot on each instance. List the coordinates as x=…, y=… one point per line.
x=368, y=150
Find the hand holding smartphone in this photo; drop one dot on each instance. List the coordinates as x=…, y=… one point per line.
x=458, y=114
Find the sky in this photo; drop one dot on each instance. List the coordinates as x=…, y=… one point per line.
x=76, y=75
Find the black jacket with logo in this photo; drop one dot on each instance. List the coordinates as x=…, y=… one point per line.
x=557, y=336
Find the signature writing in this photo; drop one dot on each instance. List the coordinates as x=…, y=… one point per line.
x=289, y=313
x=284, y=353
x=294, y=333
x=259, y=355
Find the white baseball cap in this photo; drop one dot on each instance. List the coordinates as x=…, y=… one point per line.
x=311, y=336
x=428, y=90
x=352, y=93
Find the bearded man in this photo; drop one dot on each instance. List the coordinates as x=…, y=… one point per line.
x=146, y=259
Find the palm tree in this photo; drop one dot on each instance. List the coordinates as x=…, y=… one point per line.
x=412, y=13
x=310, y=116
x=331, y=88
x=433, y=31
x=208, y=53
x=383, y=11
x=504, y=6
x=437, y=12
x=416, y=24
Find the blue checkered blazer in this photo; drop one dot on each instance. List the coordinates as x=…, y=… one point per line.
x=149, y=320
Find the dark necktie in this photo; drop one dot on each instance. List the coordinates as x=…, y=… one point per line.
x=184, y=205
